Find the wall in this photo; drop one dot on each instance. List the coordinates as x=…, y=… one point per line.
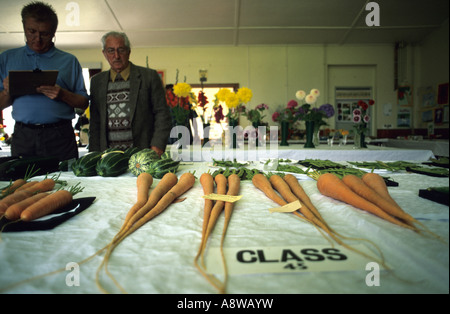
x=274, y=73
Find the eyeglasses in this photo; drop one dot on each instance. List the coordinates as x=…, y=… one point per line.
x=120, y=51
x=32, y=33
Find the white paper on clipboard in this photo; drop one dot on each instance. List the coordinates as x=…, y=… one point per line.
x=25, y=82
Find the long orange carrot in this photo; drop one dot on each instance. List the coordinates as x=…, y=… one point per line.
x=13, y=186
x=377, y=183
x=298, y=191
x=234, y=183
x=15, y=210
x=27, y=185
x=144, y=182
x=47, y=205
x=330, y=185
x=43, y=186
x=12, y=199
x=221, y=184
x=261, y=182
x=207, y=183
x=357, y=185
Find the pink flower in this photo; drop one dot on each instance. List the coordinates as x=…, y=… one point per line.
x=357, y=112
x=366, y=118
x=357, y=118
x=275, y=116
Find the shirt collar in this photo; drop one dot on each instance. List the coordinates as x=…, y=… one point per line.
x=125, y=74
x=50, y=53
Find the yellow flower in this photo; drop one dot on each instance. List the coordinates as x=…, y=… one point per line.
x=244, y=94
x=222, y=94
x=87, y=113
x=182, y=89
x=2, y=138
x=232, y=100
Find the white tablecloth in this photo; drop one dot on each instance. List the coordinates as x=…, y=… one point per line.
x=158, y=258
x=438, y=147
x=298, y=152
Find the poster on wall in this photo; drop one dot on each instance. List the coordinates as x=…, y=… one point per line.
x=427, y=96
x=404, y=96
x=442, y=94
x=404, y=117
x=427, y=116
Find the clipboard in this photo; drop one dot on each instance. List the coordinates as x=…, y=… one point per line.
x=25, y=82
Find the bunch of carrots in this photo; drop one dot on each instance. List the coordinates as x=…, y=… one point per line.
x=286, y=189
x=29, y=200
x=146, y=207
x=211, y=213
x=368, y=193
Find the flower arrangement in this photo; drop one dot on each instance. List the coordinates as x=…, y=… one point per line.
x=234, y=101
x=287, y=114
x=256, y=115
x=361, y=116
x=179, y=100
x=307, y=113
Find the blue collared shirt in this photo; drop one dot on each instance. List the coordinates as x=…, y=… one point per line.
x=36, y=109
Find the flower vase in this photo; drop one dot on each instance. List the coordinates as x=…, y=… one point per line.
x=232, y=125
x=206, y=133
x=309, y=134
x=316, y=135
x=284, y=133
x=255, y=125
x=360, y=141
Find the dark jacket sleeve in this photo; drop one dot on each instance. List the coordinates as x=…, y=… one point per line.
x=94, y=115
x=161, y=112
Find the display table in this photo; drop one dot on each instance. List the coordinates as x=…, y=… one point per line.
x=298, y=152
x=438, y=147
x=158, y=258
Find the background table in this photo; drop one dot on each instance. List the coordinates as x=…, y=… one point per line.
x=158, y=258
x=438, y=147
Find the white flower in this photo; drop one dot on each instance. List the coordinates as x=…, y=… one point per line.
x=310, y=99
x=315, y=92
x=300, y=95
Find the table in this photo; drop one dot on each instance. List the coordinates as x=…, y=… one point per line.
x=158, y=258
x=438, y=147
x=298, y=152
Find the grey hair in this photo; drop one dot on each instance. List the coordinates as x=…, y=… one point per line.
x=116, y=35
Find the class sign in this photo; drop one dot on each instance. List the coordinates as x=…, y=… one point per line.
x=314, y=258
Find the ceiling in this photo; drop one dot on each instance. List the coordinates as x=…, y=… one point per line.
x=162, y=23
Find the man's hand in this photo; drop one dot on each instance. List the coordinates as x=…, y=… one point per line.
x=51, y=92
x=157, y=150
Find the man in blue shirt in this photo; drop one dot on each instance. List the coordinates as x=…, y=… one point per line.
x=43, y=121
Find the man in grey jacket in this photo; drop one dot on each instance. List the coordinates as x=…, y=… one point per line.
x=128, y=104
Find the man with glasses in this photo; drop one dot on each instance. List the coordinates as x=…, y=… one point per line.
x=43, y=121
x=128, y=105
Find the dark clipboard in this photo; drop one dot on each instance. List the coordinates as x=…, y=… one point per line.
x=25, y=82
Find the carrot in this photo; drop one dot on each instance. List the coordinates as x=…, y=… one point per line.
x=261, y=182
x=13, y=186
x=234, y=182
x=26, y=185
x=13, y=198
x=45, y=185
x=46, y=205
x=185, y=183
x=298, y=191
x=167, y=182
x=377, y=183
x=144, y=182
x=207, y=183
x=330, y=185
x=221, y=183
x=14, y=211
